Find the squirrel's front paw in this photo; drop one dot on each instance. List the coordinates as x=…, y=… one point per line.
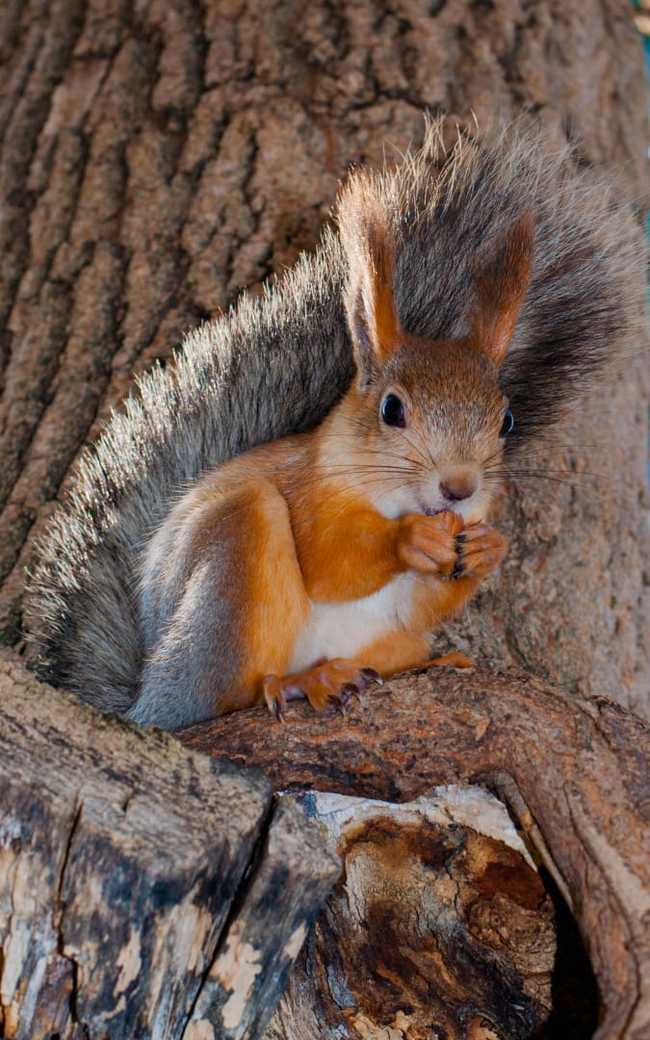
x=480, y=551
x=428, y=543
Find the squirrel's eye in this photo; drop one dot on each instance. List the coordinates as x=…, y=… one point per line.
x=508, y=424
x=392, y=411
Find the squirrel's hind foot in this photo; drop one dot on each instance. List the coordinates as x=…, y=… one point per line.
x=454, y=659
x=326, y=682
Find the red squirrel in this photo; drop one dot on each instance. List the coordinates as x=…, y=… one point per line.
x=349, y=544
x=336, y=444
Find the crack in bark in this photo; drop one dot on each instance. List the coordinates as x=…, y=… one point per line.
x=58, y=913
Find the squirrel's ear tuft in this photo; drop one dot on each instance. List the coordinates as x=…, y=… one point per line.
x=501, y=282
x=370, y=252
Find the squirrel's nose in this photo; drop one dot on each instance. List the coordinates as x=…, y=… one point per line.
x=455, y=489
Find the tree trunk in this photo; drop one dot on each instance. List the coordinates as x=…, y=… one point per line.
x=157, y=160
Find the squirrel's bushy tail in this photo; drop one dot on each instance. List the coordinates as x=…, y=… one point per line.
x=276, y=364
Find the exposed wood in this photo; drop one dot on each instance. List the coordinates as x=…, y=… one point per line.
x=123, y=857
x=575, y=774
x=439, y=926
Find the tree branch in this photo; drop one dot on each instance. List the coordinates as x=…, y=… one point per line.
x=574, y=773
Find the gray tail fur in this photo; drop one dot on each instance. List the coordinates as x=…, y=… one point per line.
x=276, y=364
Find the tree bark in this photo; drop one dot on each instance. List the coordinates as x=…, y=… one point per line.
x=135, y=880
x=574, y=773
x=155, y=161
x=291, y=876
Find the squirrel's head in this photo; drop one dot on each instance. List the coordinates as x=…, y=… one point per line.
x=424, y=425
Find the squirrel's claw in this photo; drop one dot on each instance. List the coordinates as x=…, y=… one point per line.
x=275, y=696
x=327, y=682
x=347, y=692
x=480, y=551
x=372, y=676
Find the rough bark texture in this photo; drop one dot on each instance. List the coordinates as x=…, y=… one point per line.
x=292, y=876
x=157, y=159
x=574, y=773
x=133, y=875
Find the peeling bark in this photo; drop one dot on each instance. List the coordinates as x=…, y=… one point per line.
x=127, y=867
x=292, y=877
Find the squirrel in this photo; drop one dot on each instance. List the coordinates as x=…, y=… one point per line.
x=294, y=505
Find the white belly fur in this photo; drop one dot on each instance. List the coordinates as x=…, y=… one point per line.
x=343, y=629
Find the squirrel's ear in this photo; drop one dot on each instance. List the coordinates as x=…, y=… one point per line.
x=370, y=302
x=501, y=284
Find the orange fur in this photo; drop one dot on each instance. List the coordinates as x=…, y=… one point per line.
x=501, y=287
x=395, y=652
x=454, y=659
x=346, y=549
x=388, y=333
x=349, y=552
x=271, y=595
x=303, y=540
x=438, y=601
x=310, y=533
